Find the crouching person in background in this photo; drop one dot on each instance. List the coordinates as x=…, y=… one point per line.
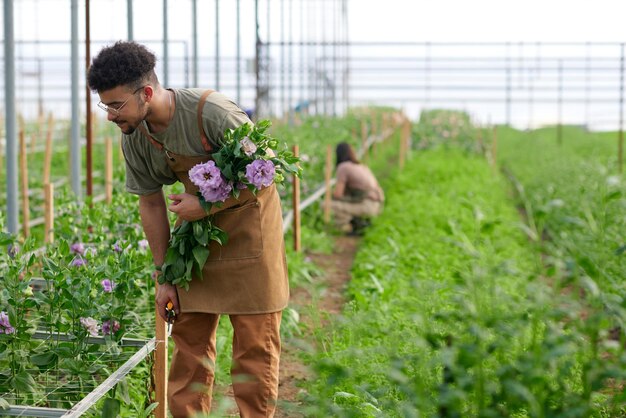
x=357, y=196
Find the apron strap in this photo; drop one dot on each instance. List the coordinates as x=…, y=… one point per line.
x=145, y=133
x=203, y=137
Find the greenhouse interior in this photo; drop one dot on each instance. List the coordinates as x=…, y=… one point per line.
x=432, y=195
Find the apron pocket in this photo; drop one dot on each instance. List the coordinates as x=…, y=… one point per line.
x=243, y=226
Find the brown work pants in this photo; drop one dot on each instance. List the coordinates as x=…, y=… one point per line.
x=256, y=352
x=344, y=211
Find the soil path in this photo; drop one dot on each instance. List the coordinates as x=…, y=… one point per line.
x=315, y=303
x=327, y=300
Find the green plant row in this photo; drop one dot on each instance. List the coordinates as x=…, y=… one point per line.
x=451, y=315
x=97, y=282
x=574, y=199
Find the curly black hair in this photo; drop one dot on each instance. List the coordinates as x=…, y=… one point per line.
x=124, y=63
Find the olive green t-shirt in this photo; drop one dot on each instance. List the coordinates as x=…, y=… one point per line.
x=146, y=168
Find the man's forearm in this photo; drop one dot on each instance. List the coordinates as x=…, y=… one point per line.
x=155, y=224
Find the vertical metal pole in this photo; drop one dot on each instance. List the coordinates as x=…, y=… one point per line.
x=217, y=44
x=347, y=54
x=40, y=109
x=238, y=53
x=301, y=53
x=315, y=60
x=508, y=84
x=11, y=119
x=290, y=65
x=311, y=56
x=88, y=124
x=166, y=52
x=334, y=79
x=268, y=62
x=129, y=19
x=559, y=127
x=427, y=73
x=257, y=60
x=322, y=61
x=75, y=155
x=620, y=154
x=282, y=58
x=194, y=41
x=531, y=95
x=587, y=83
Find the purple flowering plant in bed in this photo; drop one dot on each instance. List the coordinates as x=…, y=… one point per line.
x=249, y=158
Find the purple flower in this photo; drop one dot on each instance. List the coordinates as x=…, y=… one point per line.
x=260, y=173
x=247, y=146
x=78, y=248
x=110, y=327
x=206, y=175
x=5, y=325
x=91, y=325
x=216, y=194
x=108, y=285
x=209, y=179
x=117, y=248
x=143, y=244
x=13, y=250
x=78, y=261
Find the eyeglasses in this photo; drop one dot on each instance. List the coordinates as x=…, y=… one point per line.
x=116, y=110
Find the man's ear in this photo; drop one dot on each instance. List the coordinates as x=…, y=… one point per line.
x=148, y=91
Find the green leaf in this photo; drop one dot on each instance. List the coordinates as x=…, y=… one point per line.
x=148, y=411
x=620, y=250
x=122, y=391
x=183, y=228
x=44, y=359
x=111, y=408
x=24, y=382
x=200, y=254
x=197, y=230
x=4, y=404
x=220, y=236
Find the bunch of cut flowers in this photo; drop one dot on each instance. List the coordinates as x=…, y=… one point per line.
x=248, y=159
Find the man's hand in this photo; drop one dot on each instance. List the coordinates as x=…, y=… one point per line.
x=166, y=293
x=186, y=206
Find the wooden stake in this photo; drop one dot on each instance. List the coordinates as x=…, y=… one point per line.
x=479, y=139
x=24, y=183
x=385, y=123
x=494, y=148
x=327, y=175
x=404, y=136
x=41, y=119
x=94, y=123
x=121, y=151
x=48, y=190
x=160, y=364
x=296, y=208
x=48, y=152
x=108, y=170
x=374, y=122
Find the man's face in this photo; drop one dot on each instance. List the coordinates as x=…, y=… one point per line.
x=124, y=107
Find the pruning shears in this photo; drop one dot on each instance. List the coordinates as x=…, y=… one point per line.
x=171, y=316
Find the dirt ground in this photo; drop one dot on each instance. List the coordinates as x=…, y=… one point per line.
x=328, y=302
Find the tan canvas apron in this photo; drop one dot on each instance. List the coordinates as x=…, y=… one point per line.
x=248, y=275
